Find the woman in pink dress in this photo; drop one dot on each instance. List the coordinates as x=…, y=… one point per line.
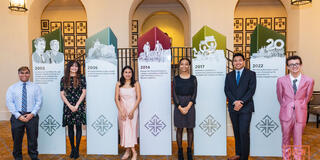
x=128, y=97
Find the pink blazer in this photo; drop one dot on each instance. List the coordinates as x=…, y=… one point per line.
x=288, y=100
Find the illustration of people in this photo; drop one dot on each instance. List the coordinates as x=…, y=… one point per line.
x=54, y=55
x=158, y=47
x=146, y=49
x=39, y=56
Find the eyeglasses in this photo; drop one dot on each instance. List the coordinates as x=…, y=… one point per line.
x=294, y=65
x=24, y=72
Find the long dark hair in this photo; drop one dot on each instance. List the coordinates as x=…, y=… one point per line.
x=76, y=79
x=123, y=80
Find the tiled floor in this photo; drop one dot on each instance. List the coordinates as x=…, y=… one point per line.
x=311, y=137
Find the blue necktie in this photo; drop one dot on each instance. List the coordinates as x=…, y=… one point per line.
x=238, y=77
x=295, y=86
x=24, y=98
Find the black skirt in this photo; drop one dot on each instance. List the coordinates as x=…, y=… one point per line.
x=184, y=121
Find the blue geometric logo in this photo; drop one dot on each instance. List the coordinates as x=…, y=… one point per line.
x=102, y=125
x=209, y=125
x=267, y=126
x=155, y=125
x=50, y=125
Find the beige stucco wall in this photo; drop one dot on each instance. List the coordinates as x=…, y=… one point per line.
x=17, y=30
x=64, y=14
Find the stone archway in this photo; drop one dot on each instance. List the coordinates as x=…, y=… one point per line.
x=187, y=18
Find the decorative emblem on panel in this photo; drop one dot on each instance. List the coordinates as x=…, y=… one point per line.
x=155, y=125
x=208, y=50
x=267, y=126
x=50, y=125
x=209, y=125
x=159, y=54
x=274, y=48
x=206, y=46
x=102, y=125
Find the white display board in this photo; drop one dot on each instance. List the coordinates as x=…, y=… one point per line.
x=155, y=107
x=102, y=113
x=265, y=129
x=210, y=132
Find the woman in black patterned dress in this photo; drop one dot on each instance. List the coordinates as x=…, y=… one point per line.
x=184, y=97
x=73, y=92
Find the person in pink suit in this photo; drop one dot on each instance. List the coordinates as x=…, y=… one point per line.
x=294, y=91
x=128, y=97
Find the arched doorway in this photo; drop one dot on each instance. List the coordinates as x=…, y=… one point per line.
x=248, y=13
x=144, y=10
x=168, y=23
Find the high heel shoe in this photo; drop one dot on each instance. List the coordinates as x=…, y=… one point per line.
x=134, y=156
x=180, y=154
x=126, y=155
x=189, y=154
x=76, y=154
x=72, y=153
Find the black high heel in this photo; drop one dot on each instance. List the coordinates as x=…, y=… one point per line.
x=180, y=154
x=189, y=154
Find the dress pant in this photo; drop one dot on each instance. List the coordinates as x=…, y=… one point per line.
x=17, y=128
x=241, y=127
x=294, y=128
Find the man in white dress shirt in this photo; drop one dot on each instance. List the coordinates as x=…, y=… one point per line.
x=24, y=100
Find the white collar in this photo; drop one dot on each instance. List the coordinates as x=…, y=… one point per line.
x=292, y=78
x=240, y=70
x=21, y=83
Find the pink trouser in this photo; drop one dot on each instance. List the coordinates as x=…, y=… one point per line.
x=294, y=128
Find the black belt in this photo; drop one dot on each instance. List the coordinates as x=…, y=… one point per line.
x=24, y=113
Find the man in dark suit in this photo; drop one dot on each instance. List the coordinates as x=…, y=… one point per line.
x=240, y=86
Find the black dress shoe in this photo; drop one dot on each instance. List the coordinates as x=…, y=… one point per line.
x=189, y=154
x=72, y=154
x=76, y=154
x=180, y=154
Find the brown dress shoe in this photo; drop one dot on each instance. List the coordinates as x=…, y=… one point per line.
x=236, y=157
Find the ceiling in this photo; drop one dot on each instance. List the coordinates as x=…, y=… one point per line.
x=261, y=2
x=153, y=2
x=65, y=3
